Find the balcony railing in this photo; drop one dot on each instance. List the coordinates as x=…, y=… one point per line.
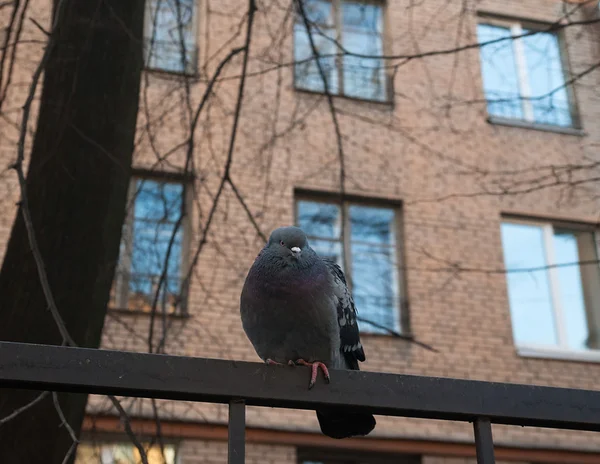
x=547, y=111
x=79, y=370
x=362, y=82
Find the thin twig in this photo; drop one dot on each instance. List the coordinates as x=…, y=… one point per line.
x=63, y=419
x=554, y=27
x=247, y=210
x=338, y=132
x=404, y=59
x=128, y=430
x=18, y=167
x=408, y=338
x=7, y=36
x=229, y=161
x=5, y=4
x=70, y=452
x=162, y=281
x=189, y=154
x=40, y=27
x=24, y=408
x=161, y=442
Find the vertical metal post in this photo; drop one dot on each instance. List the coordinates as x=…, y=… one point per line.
x=237, y=432
x=484, y=444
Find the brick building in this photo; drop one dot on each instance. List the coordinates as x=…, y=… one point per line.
x=458, y=165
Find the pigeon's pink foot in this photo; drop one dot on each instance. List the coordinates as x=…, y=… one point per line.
x=270, y=362
x=315, y=369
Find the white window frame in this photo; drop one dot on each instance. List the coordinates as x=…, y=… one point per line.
x=121, y=284
x=525, y=94
x=561, y=350
x=516, y=30
x=338, y=26
x=346, y=251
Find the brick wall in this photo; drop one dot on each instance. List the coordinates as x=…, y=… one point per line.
x=417, y=151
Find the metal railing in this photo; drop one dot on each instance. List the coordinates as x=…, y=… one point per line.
x=362, y=82
x=548, y=111
x=80, y=370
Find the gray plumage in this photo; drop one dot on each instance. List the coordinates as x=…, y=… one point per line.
x=296, y=305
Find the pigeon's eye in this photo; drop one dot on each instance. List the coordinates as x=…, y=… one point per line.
x=282, y=243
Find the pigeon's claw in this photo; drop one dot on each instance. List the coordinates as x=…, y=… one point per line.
x=270, y=362
x=315, y=366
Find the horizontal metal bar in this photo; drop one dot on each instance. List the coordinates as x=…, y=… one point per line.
x=82, y=370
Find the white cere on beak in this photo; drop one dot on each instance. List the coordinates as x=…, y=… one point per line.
x=295, y=249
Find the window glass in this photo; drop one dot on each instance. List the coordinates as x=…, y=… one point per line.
x=571, y=287
x=306, y=70
x=359, y=29
x=553, y=277
x=373, y=225
x=372, y=244
x=545, y=72
x=362, y=34
x=499, y=72
x=169, y=26
x=152, y=244
x=374, y=285
x=528, y=290
x=319, y=219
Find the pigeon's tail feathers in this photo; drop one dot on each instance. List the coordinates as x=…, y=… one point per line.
x=337, y=423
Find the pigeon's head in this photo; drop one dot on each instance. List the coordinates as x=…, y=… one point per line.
x=288, y=243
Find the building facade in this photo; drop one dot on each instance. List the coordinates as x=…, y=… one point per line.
x=452, y=173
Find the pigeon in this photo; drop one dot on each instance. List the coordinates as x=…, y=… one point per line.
x=296, y=309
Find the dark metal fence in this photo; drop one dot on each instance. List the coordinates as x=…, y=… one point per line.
x=43, y=367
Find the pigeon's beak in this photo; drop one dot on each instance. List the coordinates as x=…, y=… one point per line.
x=296, y=251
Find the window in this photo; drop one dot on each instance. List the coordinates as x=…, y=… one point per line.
x=371, y=254
x=169, y=32
x=523, y=78
x=358, y=27
x=152, y=242
x=122, y=453
x=553, y=285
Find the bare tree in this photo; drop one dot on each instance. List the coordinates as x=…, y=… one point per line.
x=72, y=206
x=200, y=127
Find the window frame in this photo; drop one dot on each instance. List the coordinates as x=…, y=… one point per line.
x=516, y=27
x=561, y=349
x=336, y=14
x=192, y=68
x=121, y=279
x=401, y=317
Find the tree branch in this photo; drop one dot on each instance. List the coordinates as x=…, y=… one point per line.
x=24, y=408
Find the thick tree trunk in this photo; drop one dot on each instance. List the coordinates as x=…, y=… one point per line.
x=77, y=183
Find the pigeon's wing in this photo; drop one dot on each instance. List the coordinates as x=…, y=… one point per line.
x=350, y=345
